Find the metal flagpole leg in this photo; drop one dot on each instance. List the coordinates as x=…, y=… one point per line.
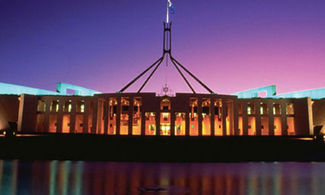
x=180, y=72
x=130, y=83
x=203, y=85
x=154, y=70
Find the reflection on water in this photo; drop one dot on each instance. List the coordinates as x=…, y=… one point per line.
x=80, y=177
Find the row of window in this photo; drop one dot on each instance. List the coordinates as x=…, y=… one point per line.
x=165, y=125
x=276, y=109
x=166, y=106
x=54, y=106
x=266, y=125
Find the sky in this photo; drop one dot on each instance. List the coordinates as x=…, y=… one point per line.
x=230, y=45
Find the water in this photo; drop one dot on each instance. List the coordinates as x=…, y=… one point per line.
x=81, y=177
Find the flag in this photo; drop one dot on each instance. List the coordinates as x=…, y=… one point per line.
x=171, y=7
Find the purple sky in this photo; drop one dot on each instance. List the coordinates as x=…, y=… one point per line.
x=231, y=45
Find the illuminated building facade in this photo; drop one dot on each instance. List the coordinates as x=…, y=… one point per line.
x=146, y=114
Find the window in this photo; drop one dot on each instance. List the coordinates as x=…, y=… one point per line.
x=124, y=116
x=250, y=108
x=180, y=123
x=218, y=124
x=206, y=119
x=79, y=123
x=150, y=124
x=67, y=106
x=41, y=106
x=264, y=125
x=193, y=117
x=251, y=125
x=277, y=126
x=263, y=108
x=291, y=125
x=290, y=109
x=82, y=108
x=240, y=125
x=136, y=118
x=112, y=111
x=53, y=123
x=54, y=106
x=165, y=123
x=66, y=123
x=165, y=106
x=276, y=109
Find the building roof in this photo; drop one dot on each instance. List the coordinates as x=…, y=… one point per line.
x=270, y=92
x=61, y=89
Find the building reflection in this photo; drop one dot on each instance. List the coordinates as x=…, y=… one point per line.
x=78, y=177
x=8, y=176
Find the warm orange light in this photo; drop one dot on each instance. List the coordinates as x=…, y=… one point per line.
x=240, y=125
x=150, y=124
x=180, y=123
x=251, y=126
x=277, y=126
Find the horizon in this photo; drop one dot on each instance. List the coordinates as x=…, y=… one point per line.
x=102, y=45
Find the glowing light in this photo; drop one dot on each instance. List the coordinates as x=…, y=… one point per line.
x=270, y=92
x=62, y=88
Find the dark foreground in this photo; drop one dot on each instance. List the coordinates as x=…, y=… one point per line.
x=160, y=149
x=141, y=178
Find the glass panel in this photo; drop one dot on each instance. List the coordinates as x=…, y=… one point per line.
x=264, y=125
x=165, y=123
x=53, y=123
x=41, y=106
x=150, y=123
x=276, y=109
x=218, y=124
x=165, y=105
x=277, y=126
x=250, y=108
x=240, y=125
x=67, y=106
x=112, y=111
x=54, y=106
x=291, y=125
x=79, y=123
x=100, y=116
x=263, y=108
x=193, y=116
x=80, y=107
x=206, y=119
x=251, y=126
x=90, y=116
x=124, y=120
x=290, y=109
x=229, y=118
x=66, y=123
x=136, y=123
x=180, y=123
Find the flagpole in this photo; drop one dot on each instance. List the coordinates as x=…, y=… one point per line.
x=167, y=15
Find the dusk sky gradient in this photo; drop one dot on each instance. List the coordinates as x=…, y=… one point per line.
x=231, y=45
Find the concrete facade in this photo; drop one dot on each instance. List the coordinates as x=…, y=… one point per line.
x=9, y=105
x=319, y=113
x=181, y=115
